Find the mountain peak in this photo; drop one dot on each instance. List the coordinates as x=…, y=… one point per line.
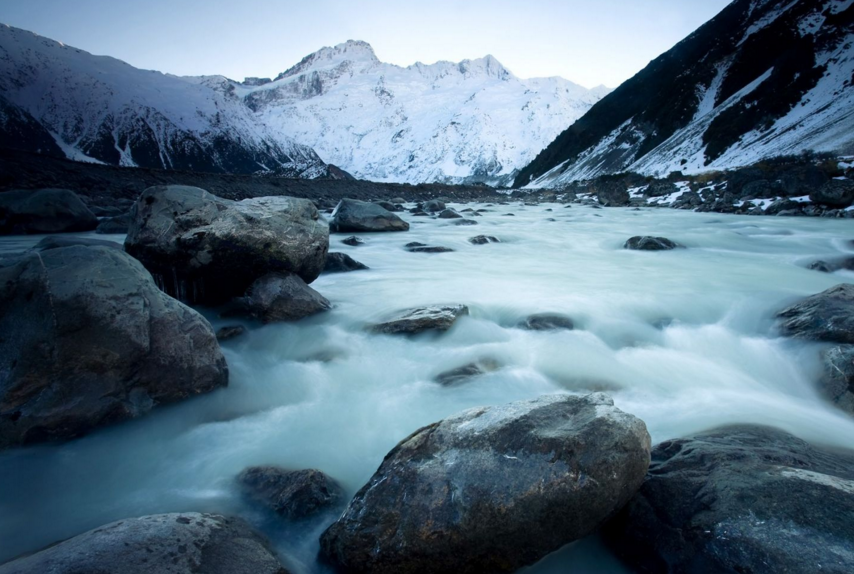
x=349, y=51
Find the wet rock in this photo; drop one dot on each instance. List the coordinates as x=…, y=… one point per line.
x=648, y=243
x=547, y=322
x=467, y=372
x=388, y=206
x=398, y=200
x=434, y=205
x=353, y=241
x=420, y=319
x=837, y=193
x=293, y=494
x=614, y=195
x=341, y=263
x=207, y=250
x=44, y=211
x=740, y=499
x=353, y=215
x=837, y=382
x=282, y=297
x=58, y=241
x=493, y=489
x=831, y=266
x=483, y=240
x=108, y=211
x=822, y=266
x=827, y=316
x=509, y=215
x=449, y=214
x=230, y=332
x=785, y=207
x=180, y=543
x=465, y=222
x=118, y=224
x=87, y=339
x=415, y=247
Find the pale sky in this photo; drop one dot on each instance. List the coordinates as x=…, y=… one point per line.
x=590, y=42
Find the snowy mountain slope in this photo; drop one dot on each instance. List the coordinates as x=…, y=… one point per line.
x=100, y=109
x=471, y=121
x=763, y=78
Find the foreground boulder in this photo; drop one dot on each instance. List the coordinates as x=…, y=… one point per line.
x=837, y=383
x=648, y=243
x=293, y=494
x=352, y=215
x=44, y=211
x=827, y=316
x=414, y=321
x=282, y=297
x=206, y=250
x=740, y=499
x=493, y=489
x=185, y=543
x=341, y=263
x=87, y=339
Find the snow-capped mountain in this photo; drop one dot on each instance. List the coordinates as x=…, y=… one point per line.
x=763, y=78
x=97, y=108
x=472, y=121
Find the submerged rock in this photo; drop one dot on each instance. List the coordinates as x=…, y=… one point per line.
x=466, y=372
x=341, y=263
x=207, y=250
x=353, y=241
x=418, y=320
x=282, y=297
x=449, y=214
x=547, y=322
x=416, y=247
x=230, y=332
x=353, y=215
x=44, y=211
x=483, y=240
x=180, y=543
x=465, y=222
x=294, y=494
x=493, y=489
x=648, y=243
x=826, y=316
x=740, y=499
x=87, y=339
x=837, y=383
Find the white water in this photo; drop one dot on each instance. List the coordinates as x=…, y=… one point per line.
x=683, y=339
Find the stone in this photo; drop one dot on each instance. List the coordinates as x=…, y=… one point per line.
x=353, y=241
x=118, y=224
x=58, y=241
x=416, y=247
x=280, y=297
x=434, y=205
x=827, y=316
x=421, y=319
x=837, y=381
x=837, y=193
x=648, y=243
x=341, y=263
x=467, y=372
x=483, y=240
x=44, y=211
x=352, y=215
x=449, y=214
x=547, y=322
x=292, y=494
x=230, y=332
x=493, y=489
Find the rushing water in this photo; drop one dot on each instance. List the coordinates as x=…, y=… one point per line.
x=683, y=339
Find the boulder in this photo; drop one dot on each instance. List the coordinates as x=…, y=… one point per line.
x=293, y=494
x=785, y=207
x=353, y=241
x=58, y=241
x=827, y=316
x=659, y=188
x=465, y=222
x=398, y=200
x=44, y=211
x=207, y=250
x=87, y=339
x=547, y=322
x=433, y=206
x=493, y=489
x=837, y=382
x=415, y=247
x=648, y=243
x=449, y=214
x=388, y=206
x=230, y=332
x=180, y=543
x=280, y=297
x=837, y=193
x=352, y=215
x=740, y=499
x=467, y=372
x=117, y=224
x=483, y=240
x=420, y=319
x=613, y=194
x=341, y=263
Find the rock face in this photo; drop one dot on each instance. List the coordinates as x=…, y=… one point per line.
x=837, y=193
x=87, y=339
x=547, y=322
x=493, y=489
x=294, y=494
x=414, y=321
x=282, y=297
x=44, y=211
x=647, y=243
x=206, y=250
x=185, y=543
x=352, y=215
x=740, y=499
x=837, y=384
x=827, y=316
x=341, y=263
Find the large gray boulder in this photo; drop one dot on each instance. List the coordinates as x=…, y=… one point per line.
x=838, y=193
x=205, y=249
x=493, y=489
x=44, y=211
x=185, y=543
x=740, y=499
x=87, y=339
x=826, y=316
x=352, y=215
x=282, y=297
